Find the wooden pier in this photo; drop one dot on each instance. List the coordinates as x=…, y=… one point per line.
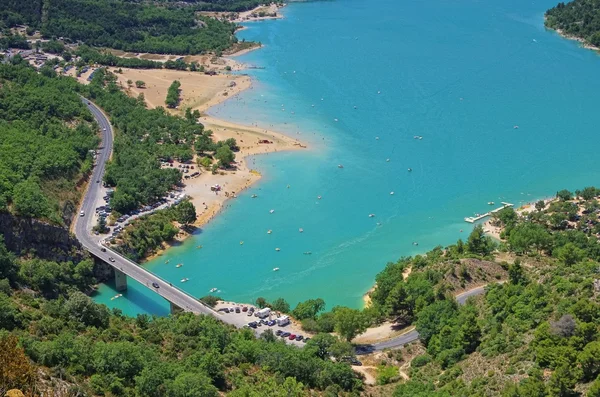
x=473, y=219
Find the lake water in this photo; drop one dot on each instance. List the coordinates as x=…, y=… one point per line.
x=460, y=74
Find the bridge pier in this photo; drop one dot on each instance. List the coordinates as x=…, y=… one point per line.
x=120, y=280
x=175, y=308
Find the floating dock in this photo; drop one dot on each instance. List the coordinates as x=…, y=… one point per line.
x=473, y=219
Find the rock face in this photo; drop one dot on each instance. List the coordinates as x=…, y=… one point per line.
x=24, y=235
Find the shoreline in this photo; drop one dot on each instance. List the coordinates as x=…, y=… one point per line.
x=567, y=36
x=200, y=92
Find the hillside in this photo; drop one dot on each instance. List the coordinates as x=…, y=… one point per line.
x=157, y=27
x=578, y=18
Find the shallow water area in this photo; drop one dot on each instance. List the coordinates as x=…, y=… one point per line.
x=358, y=81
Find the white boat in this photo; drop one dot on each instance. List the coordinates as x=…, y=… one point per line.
x=213, y=290
x=179, y=265
x=392, y=193
x=275, y=269
x=270, y=212
x=277, y=249
x=376, y=138
x=335, y=120
x=410, y=170
x=340, y=166
x=387, y=160
x=307, y=253
x=516, y=127
x=269, y=231
x=491, y=203
x=371, y=215
x=300, y=230
x=319, y=197
x=254, y=196
x=183, y=280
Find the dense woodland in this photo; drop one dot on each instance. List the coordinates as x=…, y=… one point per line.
x=45, y=136
x=124, y=25
x=579, y=18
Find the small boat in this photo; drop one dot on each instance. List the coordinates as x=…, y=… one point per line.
x=270, y=212
x=275, y=269
x=269, y=231
x=335, y=120
x=410, y=170
x=300, y=230
x=213, y=290
x=415, y=243
x=307, y=253
x=254, y=196
x=167, y=261
x=387, y=160
x=371, y=215
x=355, y=107
x=179, y=265
x=241, y=243
x=378, y=223
x=198, y=246
x=379, y=92
x=288, y=186
x=491, y=203
x=340, y=166
x=376, y=138
x=392, y=193
x=516, y=127
x=277, y=249
x=183, y=280
x=319, y=197
x=116, y=297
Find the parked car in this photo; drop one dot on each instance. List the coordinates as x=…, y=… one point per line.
x=245, y=309
x=299, y=338
x=252, y=324
x=271, y=323
x=278, y=332
x=285, y=334
x=237, y=310
x=292, y=337
x=226, y=310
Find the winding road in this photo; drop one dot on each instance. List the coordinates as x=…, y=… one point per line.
x=83, y=227
x=413, y=335
x=176, y=296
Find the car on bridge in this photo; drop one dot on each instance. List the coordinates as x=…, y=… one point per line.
x=110, y=258
x=155, y=285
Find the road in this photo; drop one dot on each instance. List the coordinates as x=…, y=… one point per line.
x=83, y=227
x=413, y=335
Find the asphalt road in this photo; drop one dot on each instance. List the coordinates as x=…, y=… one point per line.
x=83, y=227
x=413, y=335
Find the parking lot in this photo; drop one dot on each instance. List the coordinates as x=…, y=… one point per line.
x=243, y=319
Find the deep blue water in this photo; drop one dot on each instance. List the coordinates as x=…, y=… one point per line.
x=461, y=74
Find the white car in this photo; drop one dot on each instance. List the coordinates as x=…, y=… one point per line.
x=82, y=213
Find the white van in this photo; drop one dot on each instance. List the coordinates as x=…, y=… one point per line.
x=283, y=320
x=263, y=313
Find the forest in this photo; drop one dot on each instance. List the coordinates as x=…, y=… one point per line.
x=124, y=25
x=46, y=134
x=578, y=18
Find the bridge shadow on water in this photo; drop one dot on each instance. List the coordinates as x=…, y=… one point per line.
x=136, y=299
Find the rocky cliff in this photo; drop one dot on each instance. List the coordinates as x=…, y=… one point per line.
x=24, y=235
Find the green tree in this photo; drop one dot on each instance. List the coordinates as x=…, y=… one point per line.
x=191, y=385
x=478, y=243
x=349, y=322
x=140, y=84
x=29, y=201
x=280, y=305
x=564, y=195
x=81, y=308
x=570, y=254
x=186, y=213
x=308, y=309
x=225, y=156
x=589, y=360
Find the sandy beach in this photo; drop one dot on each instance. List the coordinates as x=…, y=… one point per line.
x=200, y=91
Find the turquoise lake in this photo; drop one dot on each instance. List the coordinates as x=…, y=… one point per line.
x=460, y=74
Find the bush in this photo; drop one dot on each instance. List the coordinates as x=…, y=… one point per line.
x=386, y=374
x=420, y=361
x=210, y=300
